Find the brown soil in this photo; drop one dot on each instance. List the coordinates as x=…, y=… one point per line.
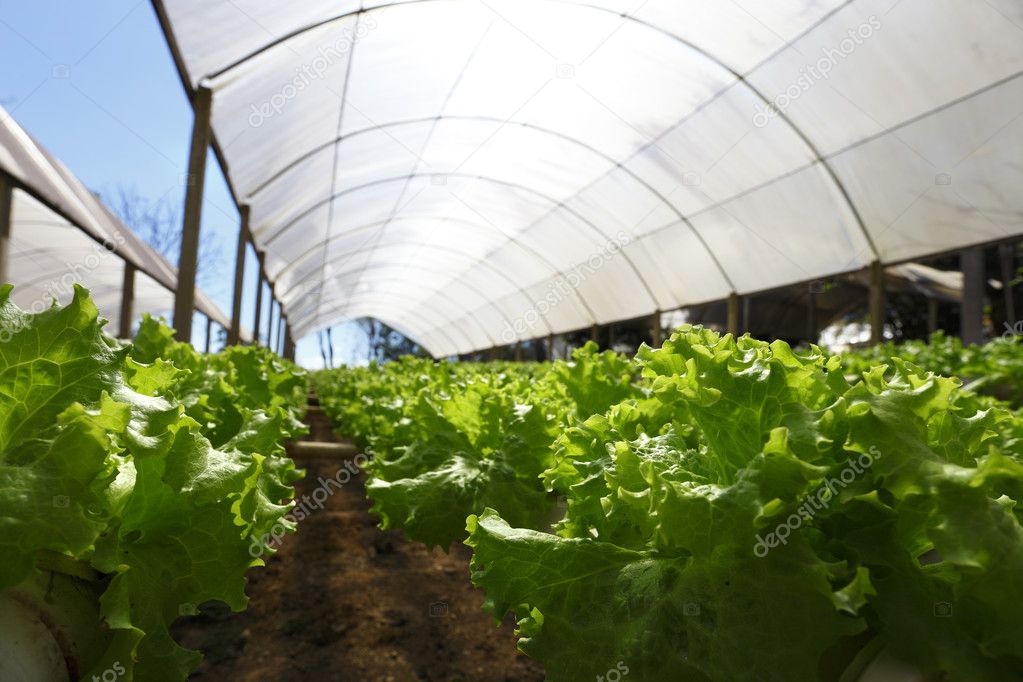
x=343, y=600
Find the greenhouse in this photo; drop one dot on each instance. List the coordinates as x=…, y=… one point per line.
x=511, y=340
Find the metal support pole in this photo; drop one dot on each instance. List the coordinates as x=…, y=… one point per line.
x=595, y=333
x=656, y=333
x=518, y=352
x=280, y=331
x=732, y=323
x=289, y=343
x=876, y=302
x=550, y=347
x=127, y=301
x=811, y=316
x=1006, y=258
x=6, y=217
x=270, y=321
x=259, y=308
x=209, y=333
x=932, y=315
x=234, y=335
x=184, y=300
x=972, y=313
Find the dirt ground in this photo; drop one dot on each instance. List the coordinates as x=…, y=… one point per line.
x=343, y=600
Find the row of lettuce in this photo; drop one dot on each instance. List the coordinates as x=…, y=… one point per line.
x=717, y=508
x=134, y=478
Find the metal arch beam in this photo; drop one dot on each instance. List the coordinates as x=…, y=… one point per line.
x=818, y=157
x=412, y=333
x=410, y=266
x=427, y=326
x=305, y=314
x=394, y=325
x=740, y=78
x=407, y=265
x=467, y=224
x=326, y=242
x=368, y=303
x=511, y=239
x=339, y=278
x=615, y=163
x=504, y=183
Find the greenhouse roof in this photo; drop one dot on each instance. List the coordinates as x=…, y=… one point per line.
x=476, y=172
x=62, y=234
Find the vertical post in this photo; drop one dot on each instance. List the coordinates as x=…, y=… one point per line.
x=127, y=301
x=811, y=315
x=209, y=333
x=289, y=343
x=656, y=333
x=270, y=320
x=876, y=302
x=595, y=333
x=971, y=262
x=932, y=315
x=493, y=353
x=6, y=217
x=234, y=334
x=259, y=307
x=1006, y=257
x=280, y=331
x=732, y=323
x=184, y=300
x=550, y=347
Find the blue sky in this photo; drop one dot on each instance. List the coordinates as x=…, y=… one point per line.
x=95, y=83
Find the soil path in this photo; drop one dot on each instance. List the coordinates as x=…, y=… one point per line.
x=342, y=600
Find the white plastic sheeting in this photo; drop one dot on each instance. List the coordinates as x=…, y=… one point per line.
x=49, y=256
x=476, y=172
x=62, y=234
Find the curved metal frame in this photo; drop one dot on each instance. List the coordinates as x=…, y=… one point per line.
x=427, y=328
x=510, y=185
x=818, y=157
x=438, y=292
x=489, y=266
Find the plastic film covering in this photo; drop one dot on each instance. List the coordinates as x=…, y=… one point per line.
x=476, y=173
